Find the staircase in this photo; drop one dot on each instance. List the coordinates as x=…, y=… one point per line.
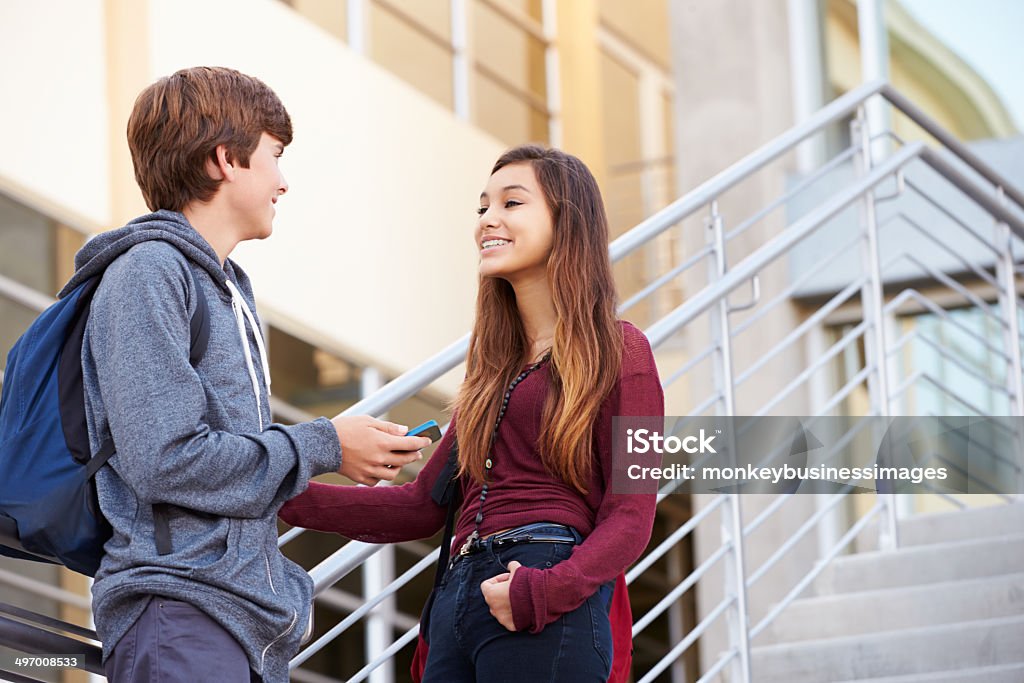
x=947, y=606
x=942, y=596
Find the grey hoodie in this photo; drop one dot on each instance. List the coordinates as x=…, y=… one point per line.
x=196, y=441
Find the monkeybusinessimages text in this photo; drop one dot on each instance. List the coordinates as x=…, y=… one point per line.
x=645, y=441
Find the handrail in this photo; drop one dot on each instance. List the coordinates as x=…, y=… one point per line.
x=412, y=381
x=929, y=124
x=24, y=295
x=777, y=246
x=739, y=171
x=807, y=580
x=683, y=645
x=340, y=563
x=27, y=638
x=971, y=189
x=48, y=622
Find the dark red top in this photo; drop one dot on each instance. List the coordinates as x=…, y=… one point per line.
x=616, y=526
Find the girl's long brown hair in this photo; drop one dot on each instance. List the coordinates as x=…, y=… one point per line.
x=587, y=349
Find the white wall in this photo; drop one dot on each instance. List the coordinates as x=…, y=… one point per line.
x=53, y=103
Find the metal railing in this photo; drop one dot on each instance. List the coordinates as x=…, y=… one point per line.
x=787, y=364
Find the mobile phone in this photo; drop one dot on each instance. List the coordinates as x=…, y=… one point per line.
x=430, y=428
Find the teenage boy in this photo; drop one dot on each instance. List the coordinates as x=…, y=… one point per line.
x=192, y=586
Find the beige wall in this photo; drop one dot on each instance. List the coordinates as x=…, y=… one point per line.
x=53, y=107
x=372, y=246
x=372, y=251
x=643, y=24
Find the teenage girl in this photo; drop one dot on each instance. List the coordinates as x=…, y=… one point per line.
x=541, y=535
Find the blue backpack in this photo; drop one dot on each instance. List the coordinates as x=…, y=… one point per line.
x=48, y=506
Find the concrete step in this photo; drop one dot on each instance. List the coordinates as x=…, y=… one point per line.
x=1012, y=673
x=905, y=607
x=948, y=647
x=918, y=565
x=957, y=525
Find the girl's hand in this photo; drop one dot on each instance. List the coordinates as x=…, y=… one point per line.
x=496, y=594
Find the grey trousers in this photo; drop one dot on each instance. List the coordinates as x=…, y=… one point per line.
x=174, y=642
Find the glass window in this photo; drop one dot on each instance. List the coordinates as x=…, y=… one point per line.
x=957, y=361
x=959, y=357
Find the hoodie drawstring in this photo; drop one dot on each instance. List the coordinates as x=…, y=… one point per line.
x=242, y=314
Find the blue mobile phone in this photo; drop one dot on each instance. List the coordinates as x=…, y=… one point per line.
x=430, y=428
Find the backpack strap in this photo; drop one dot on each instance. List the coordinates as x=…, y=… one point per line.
x=162, y=530
x=445, y=491
x=100, y=459
x=199, y=324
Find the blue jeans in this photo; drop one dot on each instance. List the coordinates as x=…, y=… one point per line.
x=467, y=643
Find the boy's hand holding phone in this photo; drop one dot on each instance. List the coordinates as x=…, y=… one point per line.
x=373, y=450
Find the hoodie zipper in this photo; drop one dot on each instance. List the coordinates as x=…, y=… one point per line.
x=291, y=626
x=270, y=577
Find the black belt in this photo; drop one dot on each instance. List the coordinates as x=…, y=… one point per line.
x=538, y=532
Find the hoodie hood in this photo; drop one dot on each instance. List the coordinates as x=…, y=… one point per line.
x=169, y=226
x=172, y=226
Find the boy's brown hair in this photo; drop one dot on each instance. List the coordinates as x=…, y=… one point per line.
x=178, y=122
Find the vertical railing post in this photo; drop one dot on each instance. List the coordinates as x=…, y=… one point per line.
x=378, y=572
x=737, y=617
x=819, y=389
x=1006, y=276
x=1008, y=303
x=676, y=618
x=872, y=303
x=91, y=624
x=552, y=73
x=462, y=59
x=358, y=21
x=873, y=36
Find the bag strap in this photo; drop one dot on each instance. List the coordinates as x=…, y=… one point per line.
x=100, y=459
x=199, y=324
x=446, y=490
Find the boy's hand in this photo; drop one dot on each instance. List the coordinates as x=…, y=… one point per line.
x=372, y=450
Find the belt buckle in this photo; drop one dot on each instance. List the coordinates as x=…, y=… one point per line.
x=467, y=547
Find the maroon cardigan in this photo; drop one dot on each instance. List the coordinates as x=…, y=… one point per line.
x=616, y=526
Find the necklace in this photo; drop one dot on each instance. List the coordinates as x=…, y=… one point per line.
x=489, y=463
